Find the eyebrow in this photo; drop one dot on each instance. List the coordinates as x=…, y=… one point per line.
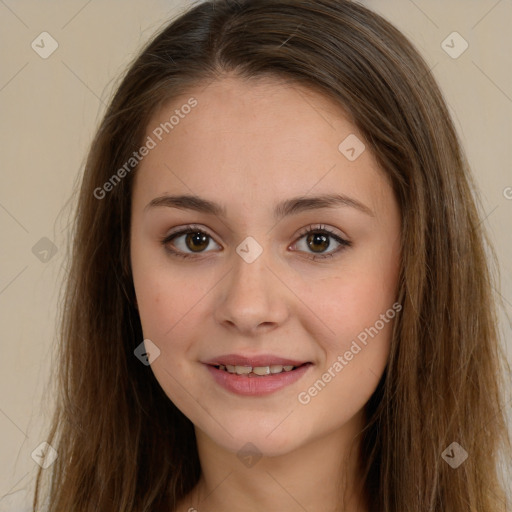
x=292, y=206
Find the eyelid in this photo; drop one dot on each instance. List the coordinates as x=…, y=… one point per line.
x=188, y=227
x=322, y=227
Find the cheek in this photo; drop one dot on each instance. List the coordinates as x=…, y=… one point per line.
x=351, y=303
x=170, y=302
x=358, y=308
x=157, y=298
x=162, y=306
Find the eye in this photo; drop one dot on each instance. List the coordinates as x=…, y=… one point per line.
x=191, y=238
x=317, y=239
x=192, y=241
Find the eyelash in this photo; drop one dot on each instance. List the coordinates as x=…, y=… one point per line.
x=191, y=229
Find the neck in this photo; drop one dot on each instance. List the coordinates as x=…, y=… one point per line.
x=322, y=475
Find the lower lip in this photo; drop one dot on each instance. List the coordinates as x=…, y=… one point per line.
x=256, y=386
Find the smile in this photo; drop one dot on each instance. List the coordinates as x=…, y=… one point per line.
x=257, y=371
x=256, y=375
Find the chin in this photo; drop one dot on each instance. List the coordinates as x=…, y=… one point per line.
x=271, y=437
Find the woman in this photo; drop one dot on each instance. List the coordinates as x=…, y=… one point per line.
x=279, y=297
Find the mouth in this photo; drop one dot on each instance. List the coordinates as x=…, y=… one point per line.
x=257, y=371
x=257, y=375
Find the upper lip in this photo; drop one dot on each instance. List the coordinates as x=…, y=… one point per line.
x=253, y=361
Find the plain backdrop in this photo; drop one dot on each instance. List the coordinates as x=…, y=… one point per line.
x=50, y=108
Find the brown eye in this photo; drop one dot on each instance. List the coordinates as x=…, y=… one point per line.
x=318, y=242
x=197, y=241
x=315, y=241
x=188, y=242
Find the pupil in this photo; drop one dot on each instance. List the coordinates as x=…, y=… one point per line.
x=318, y=238
x=199, y=241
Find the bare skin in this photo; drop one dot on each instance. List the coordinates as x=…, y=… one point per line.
x=249, y=146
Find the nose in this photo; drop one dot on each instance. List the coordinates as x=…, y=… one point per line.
x=252, y=298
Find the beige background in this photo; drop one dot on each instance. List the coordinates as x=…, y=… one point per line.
x=49, y=111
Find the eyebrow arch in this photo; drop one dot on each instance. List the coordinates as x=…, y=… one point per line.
x=283, y=209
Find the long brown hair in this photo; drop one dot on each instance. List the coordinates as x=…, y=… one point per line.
x=121, y=442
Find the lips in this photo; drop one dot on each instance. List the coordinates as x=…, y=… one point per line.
x=255, y=375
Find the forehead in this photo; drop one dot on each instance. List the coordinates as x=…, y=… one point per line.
x=261, y=138
x=254, y=107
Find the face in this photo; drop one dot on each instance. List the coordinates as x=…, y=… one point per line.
x=270, y=295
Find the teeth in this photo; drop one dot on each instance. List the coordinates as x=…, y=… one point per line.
x=257, y=370
x=261, y=370
x=243, y=370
